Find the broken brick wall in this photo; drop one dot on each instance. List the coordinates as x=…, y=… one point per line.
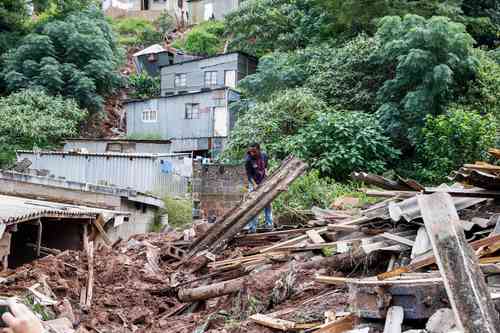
x=217, y=188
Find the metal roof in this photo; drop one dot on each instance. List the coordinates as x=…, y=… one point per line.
x=213, y=56
x=108, y=154
x=153, y=49
x=118, y=140
x=17, y=209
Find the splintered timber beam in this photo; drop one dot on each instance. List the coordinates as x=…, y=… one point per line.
x=459, y=267
x=236, y=219
x=210, y=291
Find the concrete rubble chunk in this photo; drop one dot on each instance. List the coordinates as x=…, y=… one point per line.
x=443, y=321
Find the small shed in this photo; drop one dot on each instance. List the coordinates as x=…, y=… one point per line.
x=152, y=58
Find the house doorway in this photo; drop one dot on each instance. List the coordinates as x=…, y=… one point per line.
x=145, y=5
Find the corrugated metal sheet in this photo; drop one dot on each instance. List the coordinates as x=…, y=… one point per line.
x=16, y=209
x=142, y=172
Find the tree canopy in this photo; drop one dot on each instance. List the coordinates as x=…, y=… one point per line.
x=75, y=57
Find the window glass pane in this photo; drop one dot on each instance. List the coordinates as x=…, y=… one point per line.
x=208, y=11
x=230, y=78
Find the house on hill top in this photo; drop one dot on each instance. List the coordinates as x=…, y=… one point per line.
x=193, y=109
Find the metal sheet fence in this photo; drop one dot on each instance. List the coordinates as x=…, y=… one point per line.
x=145, y=173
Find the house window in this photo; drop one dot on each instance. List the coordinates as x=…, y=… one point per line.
x=230, y=78
x=180, y=80
x=149, y=116
x=208, y=12
x=192, y=111
x=210, y=78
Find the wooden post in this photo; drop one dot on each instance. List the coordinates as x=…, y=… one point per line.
x=459, y=267
x=234, y=220
x=90, y=280
x=39, y=239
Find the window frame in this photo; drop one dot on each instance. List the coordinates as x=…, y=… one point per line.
x=235, y=78
x=213, y=78
x=189, y=111
x=147, y=116
x=182, y=81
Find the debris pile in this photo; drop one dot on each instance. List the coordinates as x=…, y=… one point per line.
x=419, y=260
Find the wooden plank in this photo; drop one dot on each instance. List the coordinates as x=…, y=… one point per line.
x=90, y=280
x=464, y=282
x=373, y=281
x=470, y=193
x=342, y=227
x=98, y=223
x=315, y=237
x=398, y=239
x=338, y=326
x=279, y=324
x=390, y=194
x=483, y=167
x=394, y=319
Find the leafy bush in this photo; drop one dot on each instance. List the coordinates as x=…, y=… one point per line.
x=338, y=143
x=312, y=190
x=180, y=212
x=348, y=77
x=452, y=139
x=483, y=93
x=144, y=86
x=278, y=71
x=204, y=39
x=431, y=61
x=32, y=118
x=271, y=123
x=261, y=26
x=75, y=57
x=136, y=31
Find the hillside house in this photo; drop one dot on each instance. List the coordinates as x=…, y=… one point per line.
x=203, y=10
x=149, y=9
x=193, y=109
x=154, y=57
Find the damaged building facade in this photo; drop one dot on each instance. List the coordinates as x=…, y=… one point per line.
x=37, y=210
x=193, y=110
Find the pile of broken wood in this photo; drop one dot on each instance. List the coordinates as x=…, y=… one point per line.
x=423, y=259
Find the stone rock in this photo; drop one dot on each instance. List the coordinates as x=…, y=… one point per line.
x=443, y=321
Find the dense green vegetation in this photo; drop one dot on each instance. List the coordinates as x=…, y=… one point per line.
x=31, y=118
x=139, y=32
x=55, y=70
x=375, y=86
x=401, y=86
x=205, y=39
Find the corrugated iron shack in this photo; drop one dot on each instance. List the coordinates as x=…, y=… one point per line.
x=160, y=174
x=31, y=228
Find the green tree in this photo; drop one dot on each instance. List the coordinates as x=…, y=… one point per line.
x=76, y=57
x=337, y=143
x=452, y=139
x=430, y=61
x=348, y=77
x=261, y=26
x=272, y=122
x=353, y=17
x=32, y=118
x=144, y=86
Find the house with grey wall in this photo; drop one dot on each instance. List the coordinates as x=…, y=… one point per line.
x=148, y=9
x=203, y=10
x=193, y=110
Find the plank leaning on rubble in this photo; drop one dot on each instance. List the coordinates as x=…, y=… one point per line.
x=459, y=267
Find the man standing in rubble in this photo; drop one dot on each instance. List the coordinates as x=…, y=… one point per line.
x=256, y=168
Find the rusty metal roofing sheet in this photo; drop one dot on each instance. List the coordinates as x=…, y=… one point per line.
x=17, y=209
